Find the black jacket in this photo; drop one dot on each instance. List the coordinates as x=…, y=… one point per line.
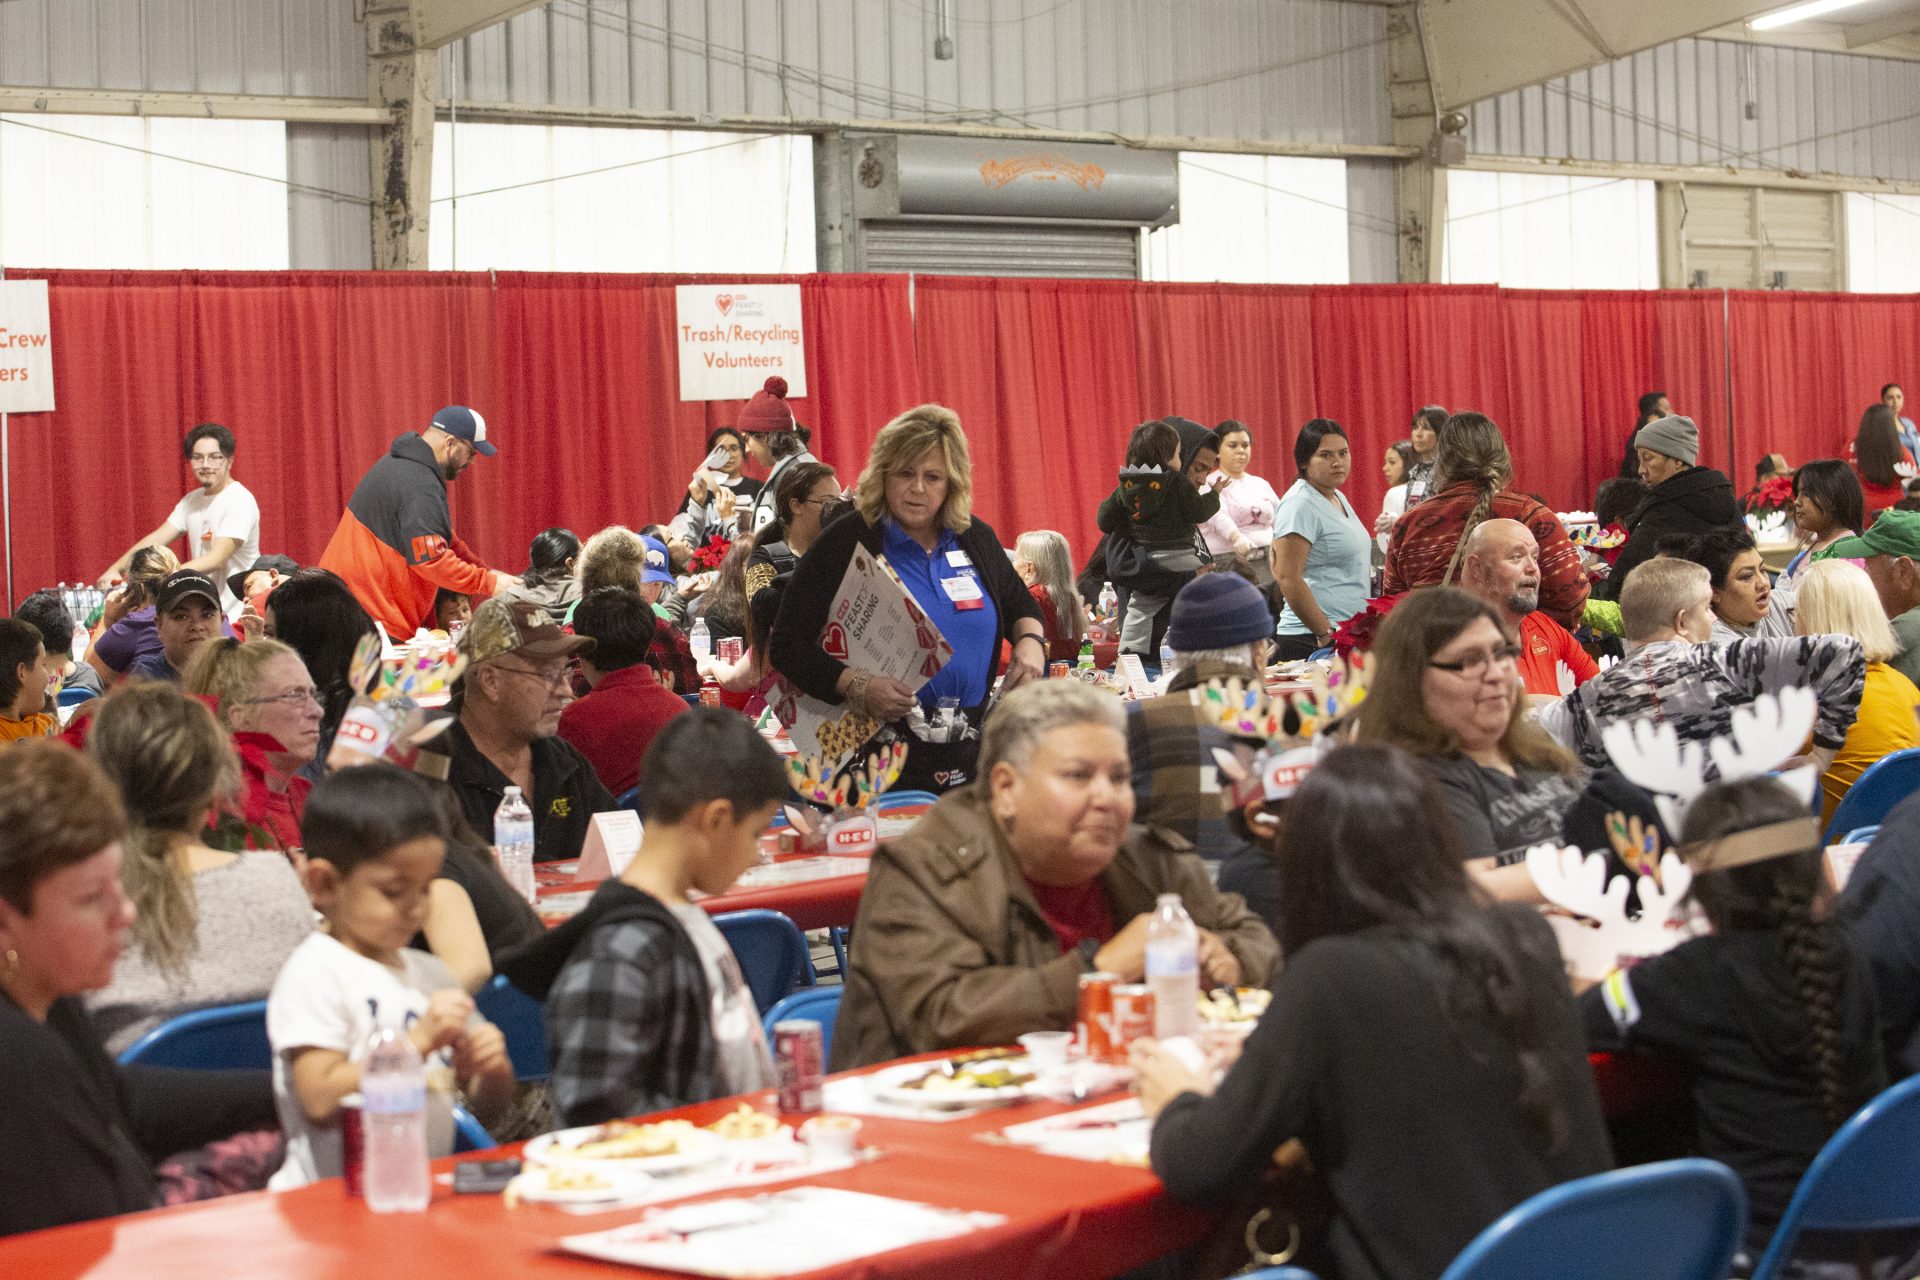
x=1696, y=501
x=1882, y=909
x=566, y=793
x=80, y=1134
x=796, y=650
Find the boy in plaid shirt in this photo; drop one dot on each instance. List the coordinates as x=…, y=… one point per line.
x=646, y=1006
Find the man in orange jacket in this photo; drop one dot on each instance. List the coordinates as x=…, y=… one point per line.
x=394, y=546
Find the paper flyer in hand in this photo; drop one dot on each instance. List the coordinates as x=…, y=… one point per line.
x=873, y=625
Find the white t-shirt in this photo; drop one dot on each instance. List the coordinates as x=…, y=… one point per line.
x=320, y=1001
x=742, y=1063
x=230, y=513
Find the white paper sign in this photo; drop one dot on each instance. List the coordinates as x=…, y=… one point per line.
x=612, y=841
x=733, y=337
x=26, y=348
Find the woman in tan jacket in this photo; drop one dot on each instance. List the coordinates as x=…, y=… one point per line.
x=976, y=925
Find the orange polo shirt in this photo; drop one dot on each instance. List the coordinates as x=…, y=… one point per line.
x=1544, y=643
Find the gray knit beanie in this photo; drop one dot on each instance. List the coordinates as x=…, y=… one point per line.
x=1674, y=436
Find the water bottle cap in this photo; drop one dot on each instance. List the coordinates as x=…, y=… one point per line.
x=512, y=793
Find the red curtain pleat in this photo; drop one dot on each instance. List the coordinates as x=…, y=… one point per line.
x=578, y=378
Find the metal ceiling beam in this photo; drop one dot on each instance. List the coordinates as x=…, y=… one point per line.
x=439, y=22
x=195, y=106
x=1897, y=24
x=1479, y=48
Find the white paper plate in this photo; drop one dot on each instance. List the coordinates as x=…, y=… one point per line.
x=531, y=1186
x=890, y=1086
x=696, y=1147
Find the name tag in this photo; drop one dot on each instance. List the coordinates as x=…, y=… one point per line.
x=964, y=591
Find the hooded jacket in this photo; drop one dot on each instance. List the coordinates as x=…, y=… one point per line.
x=1696, y=501
x=950, y=949
x=394, y=546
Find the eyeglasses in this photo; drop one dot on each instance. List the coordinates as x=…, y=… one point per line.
x=294, y=697
x=1476, y=664
x=554, y=679
x=208, y=458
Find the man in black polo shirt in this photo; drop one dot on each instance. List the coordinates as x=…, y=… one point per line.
x=507, y=711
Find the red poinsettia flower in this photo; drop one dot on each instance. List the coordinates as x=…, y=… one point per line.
x=710, y=555
x=1356, y=633
x=1775, y=493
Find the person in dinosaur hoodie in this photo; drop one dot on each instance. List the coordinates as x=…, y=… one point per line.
x=1149, y=519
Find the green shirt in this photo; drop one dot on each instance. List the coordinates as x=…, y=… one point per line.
x=1906, y=634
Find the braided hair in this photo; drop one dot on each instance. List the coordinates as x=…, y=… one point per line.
x=1779, y=896
x=1472, y=448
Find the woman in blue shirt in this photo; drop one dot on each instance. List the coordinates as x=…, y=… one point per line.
x=914, y=507
x=1322, y=551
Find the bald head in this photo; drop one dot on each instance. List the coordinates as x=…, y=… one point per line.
x=1502, y=567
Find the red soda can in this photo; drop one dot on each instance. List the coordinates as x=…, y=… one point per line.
x=799, y=1063
x=1093, y=1029
x=1132, y=1017
x=730, y=649
x=353, y=1144
x=1058, y=670
x=709, y=694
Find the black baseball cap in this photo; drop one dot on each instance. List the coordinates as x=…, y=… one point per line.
x=282, y=565
x=182, y=583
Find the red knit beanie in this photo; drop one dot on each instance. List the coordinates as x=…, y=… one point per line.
x=768, y=411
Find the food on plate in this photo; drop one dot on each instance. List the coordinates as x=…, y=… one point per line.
x=965, y=1075
x=550, y=1179
x=745, y=1123
x=1236, y=1004
x=832, y=1122
x=624, y=1140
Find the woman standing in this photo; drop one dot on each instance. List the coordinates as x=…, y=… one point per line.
x=805, y=490
x=1321, y=549
x=775, y=441
x=1243, y=527
x=1882, y=462
x=1424, y=436
x=1828, y=505
x=1395, y=467
x=1045, y=564
x=212, y=927
x=914, y=506
x=716, y=496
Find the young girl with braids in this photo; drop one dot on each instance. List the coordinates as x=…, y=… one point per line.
x=1772, y=1013
x=1470, y=484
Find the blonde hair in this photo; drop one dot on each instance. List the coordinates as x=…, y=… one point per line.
x=1657, y=591
x=613, y=557
x=903, y=441
x=1836, y=597
x=229, y=672
x=1052, y=562
x=170, y=761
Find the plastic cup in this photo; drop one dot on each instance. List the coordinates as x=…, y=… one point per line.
x=1047, y=1049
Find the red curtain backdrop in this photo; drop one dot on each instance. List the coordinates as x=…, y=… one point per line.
x=577, y=376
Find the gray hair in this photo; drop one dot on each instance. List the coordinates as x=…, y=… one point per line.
x=1239, y=655
x=1657, y=591
x=1023, y=716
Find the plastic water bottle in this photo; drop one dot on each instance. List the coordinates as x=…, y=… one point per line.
x=393, y=1092
x=1109, y=600
x=1173, y=967
x=513, y=838
x=700, y=640
x=1166, y=659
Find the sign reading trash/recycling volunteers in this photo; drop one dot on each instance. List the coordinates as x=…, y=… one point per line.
x=26, y=348
x=733, y=337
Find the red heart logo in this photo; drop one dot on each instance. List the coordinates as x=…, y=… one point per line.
x=724, y=301
x=834, y=641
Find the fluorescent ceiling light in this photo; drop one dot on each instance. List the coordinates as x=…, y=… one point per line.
x=1800, y=13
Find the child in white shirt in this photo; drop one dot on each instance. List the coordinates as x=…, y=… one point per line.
x=374, y=842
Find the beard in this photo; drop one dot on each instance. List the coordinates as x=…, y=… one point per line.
x=1523, y=600
x=451, y=470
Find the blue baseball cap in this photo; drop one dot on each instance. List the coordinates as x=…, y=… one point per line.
x=658, y=568
x=458, y=420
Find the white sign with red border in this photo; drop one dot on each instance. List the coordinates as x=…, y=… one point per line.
x=26, y=348
x=733, y=337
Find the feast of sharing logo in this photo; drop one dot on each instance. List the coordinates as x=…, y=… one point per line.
x=724, y=301
x=834, y=641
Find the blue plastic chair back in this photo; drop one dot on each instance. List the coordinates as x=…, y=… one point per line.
x=1861, y=835
x=821, y=1004
x=772, y=953
x=1677, y=1220
x=630, y=799
x=1866, y=1178
x=73, y=697
x=227, y=1036
x=522, y=1020
x=1886, y=782
x=469, y=1134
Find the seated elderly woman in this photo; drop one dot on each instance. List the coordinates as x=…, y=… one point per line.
x=263, y=695
x=1836, y=597
x=212, y=927
x=976, y=925
x=80, y=1135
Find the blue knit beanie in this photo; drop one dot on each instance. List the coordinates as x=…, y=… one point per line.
x=1218, y=611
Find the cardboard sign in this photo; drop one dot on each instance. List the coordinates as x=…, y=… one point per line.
x=26, y=348
x=733, y=337
x=612, y=841
x=872, y=625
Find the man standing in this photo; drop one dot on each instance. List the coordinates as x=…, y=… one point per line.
x=1681, y=497
x=1888, y=551
x=1502, y=567
x=394, y=546
x=186, y=613
x=221, y=520
x=511, y=696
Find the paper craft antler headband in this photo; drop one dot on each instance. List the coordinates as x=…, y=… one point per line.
x=855, y=788
x=1285, y=727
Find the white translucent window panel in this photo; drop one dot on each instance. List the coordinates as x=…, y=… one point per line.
x=1883, y=243
x=1255, y=220
x=1544, y=231
x=579, y=198
x=107, y=192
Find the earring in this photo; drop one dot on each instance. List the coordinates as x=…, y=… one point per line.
x=13, y=962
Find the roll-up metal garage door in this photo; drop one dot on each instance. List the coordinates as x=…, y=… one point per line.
x=1000, y=249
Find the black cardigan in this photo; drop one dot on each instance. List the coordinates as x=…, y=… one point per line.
x=80, y=1134
x=795, y=649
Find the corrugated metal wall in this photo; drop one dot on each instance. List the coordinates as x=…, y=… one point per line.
x=309, y=48
x=1278, y=70
x=328, y=232
x=1688, y=102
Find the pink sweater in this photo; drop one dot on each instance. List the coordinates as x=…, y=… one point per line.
x=1247, y=505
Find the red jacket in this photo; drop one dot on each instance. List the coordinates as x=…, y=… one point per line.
x=613, y=725
x=394, y=546
x=1424, y=540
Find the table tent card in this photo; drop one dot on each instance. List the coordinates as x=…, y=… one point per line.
x=612, y=840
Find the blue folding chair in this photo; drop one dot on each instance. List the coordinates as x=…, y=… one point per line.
x=772, y=953
x=1861, y=835
x=469, y=1134
x=1677, y=1220
x=73, y=697
x=822, y=1004
x=226, y=1036
x=1867, y=1177
x=1886, y=782
x=522, y=1020
x=629, y=799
